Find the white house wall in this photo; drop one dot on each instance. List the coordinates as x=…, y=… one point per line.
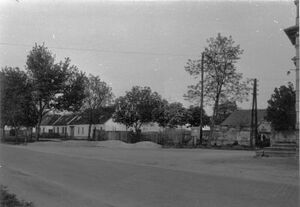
x=45, y=129
x=82, y=130
x=110, y=125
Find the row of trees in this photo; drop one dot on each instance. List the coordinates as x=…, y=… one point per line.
x=46, y=85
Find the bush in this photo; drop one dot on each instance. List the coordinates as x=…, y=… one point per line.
x=10, y=200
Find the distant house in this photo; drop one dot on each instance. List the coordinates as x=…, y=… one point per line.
x=60, y=126
x=237, y=127
x=79, y=126
x=47, y=123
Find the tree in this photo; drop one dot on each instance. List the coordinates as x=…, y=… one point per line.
x=17, y=107
x=49, y=81
x=97, y=94
x=221, y=80
x=225, y=109
x=73, y=90
x=136, y=107
x=281, y=110
x=170, y=115
x=194, y=114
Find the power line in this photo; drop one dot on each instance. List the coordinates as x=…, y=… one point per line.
x=102, y=51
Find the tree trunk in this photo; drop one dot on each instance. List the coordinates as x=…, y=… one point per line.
x=3, y=133
x=38, y=127
x=16, y=135
x=212, y=125
x=89, y=132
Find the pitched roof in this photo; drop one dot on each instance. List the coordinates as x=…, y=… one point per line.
x=243, y=118
x=64, y=120
x=49, y=119
x=101, y=117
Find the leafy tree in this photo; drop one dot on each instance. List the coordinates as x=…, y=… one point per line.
x=194, y=115
x=170, y=115
x=17, y=107
x=50, y=82
x=136, y=107
x=160, y=115
x=97, y=95
x=73, y=90
x=281, y=108
x=221, y=80
x=225, y=109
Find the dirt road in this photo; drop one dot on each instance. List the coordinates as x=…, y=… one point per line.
x=62, y=175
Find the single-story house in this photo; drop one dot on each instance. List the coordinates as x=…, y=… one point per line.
x=60, y=126
x=237, y=127
x=47, y=123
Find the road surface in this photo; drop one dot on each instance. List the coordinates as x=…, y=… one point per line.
x=52, y=175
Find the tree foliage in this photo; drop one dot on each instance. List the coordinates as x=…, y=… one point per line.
x=194, y=114
x=170, y=115
x=97, y=95
x=17, y=106
x=136, y=107
x=54, y=85
x=281, y=110
x=221, y=80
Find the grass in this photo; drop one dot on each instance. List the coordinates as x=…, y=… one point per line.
x=8, y=199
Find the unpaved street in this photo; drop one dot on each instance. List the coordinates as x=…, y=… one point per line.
x=77, y=175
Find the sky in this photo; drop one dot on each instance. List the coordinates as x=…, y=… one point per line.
x=148, y=43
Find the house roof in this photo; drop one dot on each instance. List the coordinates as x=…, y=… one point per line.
x=243, y=118
x=49, y=119
x=64, y=120
x=100, y=116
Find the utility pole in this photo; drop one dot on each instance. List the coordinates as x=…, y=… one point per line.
x=253, y=132
x=201, y=101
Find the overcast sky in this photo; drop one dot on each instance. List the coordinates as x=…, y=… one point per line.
x=148, y=43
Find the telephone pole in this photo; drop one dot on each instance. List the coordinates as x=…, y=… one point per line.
x=253, y=132
x=201, y=101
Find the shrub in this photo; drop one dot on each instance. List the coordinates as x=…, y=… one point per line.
x=10, y=200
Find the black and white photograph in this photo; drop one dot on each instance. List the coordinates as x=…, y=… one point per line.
x=148, y=103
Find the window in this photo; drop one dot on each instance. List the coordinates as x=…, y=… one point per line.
x=57, y=130
x=82, y=130
x=63, y=130
x=78, y=130
x=43, y=129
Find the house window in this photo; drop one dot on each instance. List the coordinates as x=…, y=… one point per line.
x=57, y=130
x=66, y=130
x=78, y=130
x=82, y=130
x=43, y=129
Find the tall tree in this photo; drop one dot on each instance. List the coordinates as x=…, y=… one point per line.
x=48, y=80
x=136, y=107
x=17, y=107
x=194, y=115
x=97, y=95
x=281, y=109
x=221, y=80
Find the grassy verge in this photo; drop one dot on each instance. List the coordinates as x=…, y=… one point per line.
x=8, y=199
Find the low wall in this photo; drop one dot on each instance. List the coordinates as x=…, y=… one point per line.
x=285, y=136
